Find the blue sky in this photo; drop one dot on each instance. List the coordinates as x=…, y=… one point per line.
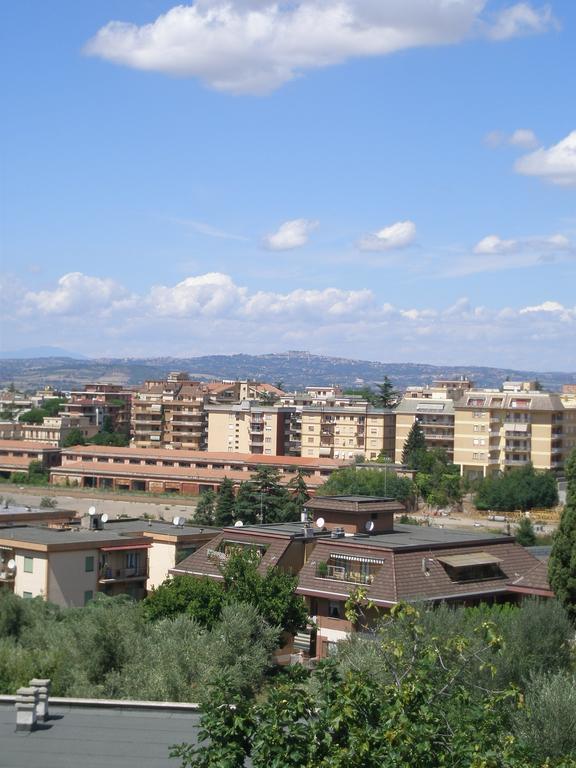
x=392, y=180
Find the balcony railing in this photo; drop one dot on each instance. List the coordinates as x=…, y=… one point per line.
x=339, y=573
x=122, y=574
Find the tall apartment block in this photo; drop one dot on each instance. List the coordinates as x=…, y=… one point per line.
x=249, y=427
x=494, y=431
x=99, y=402
x=347, y=431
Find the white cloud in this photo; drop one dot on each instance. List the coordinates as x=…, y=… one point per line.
x=521, y=137
x=520, y=20
x=255, y=46
x=210, y=294
x=211, y=313
x=77, y=294
x=493, y=244
x=397, y=235
x=557, y=164
x=290, y=234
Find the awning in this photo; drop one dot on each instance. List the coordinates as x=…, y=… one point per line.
x=125, y=546
x=471, y=558
x=356, y=558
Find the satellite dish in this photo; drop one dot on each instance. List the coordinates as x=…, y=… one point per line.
x=320, y=522
x=91, y=511
x=177, y=521
x=11, y=565
x=104, y=518
x=238, y=524
x=369, y=525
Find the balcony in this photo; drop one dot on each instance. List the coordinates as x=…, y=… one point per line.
x=108, y=575
x=340, y=573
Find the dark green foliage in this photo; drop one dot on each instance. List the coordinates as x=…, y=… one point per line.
x=201, y=598
x=414, y=447
x=248, y=503
x=109, y=438
x=367, y=482
x=385, y=395
x=421, y=713
x=521, y=488
x=562, y=563
x=525, y=534
x=204, y=513
x=33, y=416
x=74, y=437
x=225, y=504
x=275, y=503
x=51, y=407
x=299, y=490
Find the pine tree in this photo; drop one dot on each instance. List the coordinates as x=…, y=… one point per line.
x=247, y=507
x=204, y=514
x=225, y=504
x=414, y=447
x=386, y=396
x=525, y=534
x=299, y=490
x=562, y=563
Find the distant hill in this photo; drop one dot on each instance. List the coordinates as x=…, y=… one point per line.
x=35, y=352
x=294, y=369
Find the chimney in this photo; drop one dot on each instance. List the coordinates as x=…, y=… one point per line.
x=42, y=685
x=26, y=709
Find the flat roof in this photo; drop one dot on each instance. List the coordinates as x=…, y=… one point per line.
x=158, y=526
x=29, y=534
x=96, y=738
x=19, y=445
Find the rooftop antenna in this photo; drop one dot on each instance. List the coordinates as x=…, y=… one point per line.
x=320, y=522
x=91, y=511
x=238, y=524
x=11, y=564
x=369, y=526
x=104, y=518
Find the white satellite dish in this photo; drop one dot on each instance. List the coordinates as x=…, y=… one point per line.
x=11, y=565
x=238, y=524
x=320, y=522
x=91, y=511
x=369, y=525
x=104, y=518
x=177, y=521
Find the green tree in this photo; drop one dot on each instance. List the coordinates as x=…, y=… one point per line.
x=33, y=416
x=414, y=447
x=350, y=481
x=525, y=534
x=298, y=490
x=74, y=437
x=225, y=504
x=386, y=396
x=522, y=488
x=200, y=598
x=562, y=562
x=205, y=512
x=53, y=406
x=274, y=503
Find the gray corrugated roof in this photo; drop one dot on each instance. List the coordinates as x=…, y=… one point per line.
x=96, y=738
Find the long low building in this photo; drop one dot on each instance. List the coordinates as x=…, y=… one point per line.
x=189, y=472
x=16, y=455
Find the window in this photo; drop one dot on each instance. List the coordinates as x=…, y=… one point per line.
x=89, y=563
x=28, y=565
x=88, y=595
x=27, y=595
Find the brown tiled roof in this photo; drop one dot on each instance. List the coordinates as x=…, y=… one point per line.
x=204, y=456
x=200, y=562
x=534, y=581
x=25, y=445
x=361, y=504
x=190, y=474
x=404, y=576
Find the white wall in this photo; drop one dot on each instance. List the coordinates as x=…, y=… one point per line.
x=34, y=582
x=161, y=557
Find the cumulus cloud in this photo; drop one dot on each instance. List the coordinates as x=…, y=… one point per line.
x=493, y=244
x=211, y=313
x=520, y=20
x=75, y=294
x=290, y=234
x=557, y=164
x=255, y=46
x=397, y=235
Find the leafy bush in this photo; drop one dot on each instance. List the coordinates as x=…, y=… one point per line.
x=521, y=488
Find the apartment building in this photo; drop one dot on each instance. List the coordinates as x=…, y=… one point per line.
x=104, y=404
x=249, y=427
x=351, y=541
x=16, y=455
x=495, y=430
x=434, y=413
x=347, y=431
x=54, y=429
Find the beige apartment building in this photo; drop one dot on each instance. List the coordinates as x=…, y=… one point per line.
x=54, y=429
x=348, y=431
x=436, y=417
x=249, y=427
x=494, y=431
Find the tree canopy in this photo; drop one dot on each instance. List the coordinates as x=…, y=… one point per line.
x=562, y=562
x=519, y=488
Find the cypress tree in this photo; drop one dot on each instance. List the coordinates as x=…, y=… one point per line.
x=225, y=504
x=414, y=446
x=525, y=533
x=562, y=563
x=204, y=514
